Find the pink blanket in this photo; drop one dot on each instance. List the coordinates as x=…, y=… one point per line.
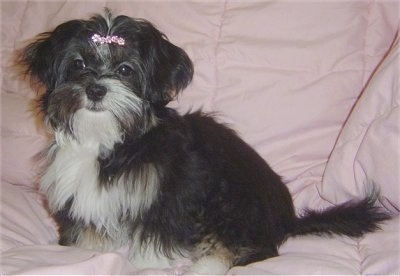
x=313, y=86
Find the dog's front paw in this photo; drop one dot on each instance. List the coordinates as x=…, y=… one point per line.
x=208, y=265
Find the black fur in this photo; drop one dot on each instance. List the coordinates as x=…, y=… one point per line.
x=213, y=188
x=353, y=219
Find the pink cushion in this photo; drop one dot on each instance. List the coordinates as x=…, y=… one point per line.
x=22, y=138
x=285, y=74
x=368, y=149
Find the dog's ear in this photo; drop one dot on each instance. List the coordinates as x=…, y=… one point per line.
x=40, y=57
x=168, y=68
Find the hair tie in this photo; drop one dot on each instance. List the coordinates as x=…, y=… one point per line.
x=108, y=39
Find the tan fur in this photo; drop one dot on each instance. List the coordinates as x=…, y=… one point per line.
x=210, y=251
x=90, y=239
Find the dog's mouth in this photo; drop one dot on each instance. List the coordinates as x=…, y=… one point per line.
x=95, y=106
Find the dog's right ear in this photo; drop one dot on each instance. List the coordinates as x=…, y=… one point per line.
x=38, y=59
x=42, y=58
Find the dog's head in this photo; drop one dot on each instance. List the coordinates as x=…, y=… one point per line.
x=118, y=68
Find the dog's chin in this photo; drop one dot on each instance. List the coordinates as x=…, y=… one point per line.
x=95, y=107
x=91, y=125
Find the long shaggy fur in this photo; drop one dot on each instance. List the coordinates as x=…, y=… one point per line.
x=125, y=169
x=353, y=219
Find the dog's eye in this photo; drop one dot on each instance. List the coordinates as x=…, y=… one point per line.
x=125, y=70
x=79, y=64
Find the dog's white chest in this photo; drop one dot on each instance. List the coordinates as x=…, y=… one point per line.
x=73, y=171
x=73, y=178
x=74, y=175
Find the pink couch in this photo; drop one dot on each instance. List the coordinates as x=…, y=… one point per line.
x=313, y=86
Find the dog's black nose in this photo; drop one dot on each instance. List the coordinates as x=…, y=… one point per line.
x=95, y=92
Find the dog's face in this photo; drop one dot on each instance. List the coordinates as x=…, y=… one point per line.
x=117, y=69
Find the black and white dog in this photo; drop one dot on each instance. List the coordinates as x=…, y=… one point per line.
x=125, y=169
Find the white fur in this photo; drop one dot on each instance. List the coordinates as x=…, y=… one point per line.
x=94, y=128
x=74, y=173
x=209, y=265
x=145, y=255
x=89, y=239
x=120, y=100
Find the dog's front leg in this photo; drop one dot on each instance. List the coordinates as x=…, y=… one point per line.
x=89, y=238
x=210, y=265
x=74, y=233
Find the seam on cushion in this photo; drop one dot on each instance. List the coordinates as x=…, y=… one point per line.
x=365, y=83
x=366, y=39
x=319, y=192
x=371, y=76
x=360, y=260
x=366, y=77
x=368, y=129
x=20, y=22
x=216, y=64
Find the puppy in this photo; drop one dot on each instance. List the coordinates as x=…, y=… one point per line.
x=123, y=168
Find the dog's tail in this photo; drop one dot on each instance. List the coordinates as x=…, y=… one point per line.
x=353, y=218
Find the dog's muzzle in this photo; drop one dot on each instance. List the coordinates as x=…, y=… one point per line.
x=95, y=92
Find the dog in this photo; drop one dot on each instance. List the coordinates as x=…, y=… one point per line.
x=126, y=169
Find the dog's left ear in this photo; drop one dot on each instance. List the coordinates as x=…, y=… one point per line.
x=169, y=69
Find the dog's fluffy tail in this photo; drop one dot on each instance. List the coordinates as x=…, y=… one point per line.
x=352, y=219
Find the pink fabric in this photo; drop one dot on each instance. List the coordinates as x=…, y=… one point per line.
x=22, y=137
x=367, y=151
x=285, y=75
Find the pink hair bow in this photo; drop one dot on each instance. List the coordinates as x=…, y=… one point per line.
x=108, y=39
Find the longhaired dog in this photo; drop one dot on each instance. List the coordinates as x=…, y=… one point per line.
x=123, y=168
